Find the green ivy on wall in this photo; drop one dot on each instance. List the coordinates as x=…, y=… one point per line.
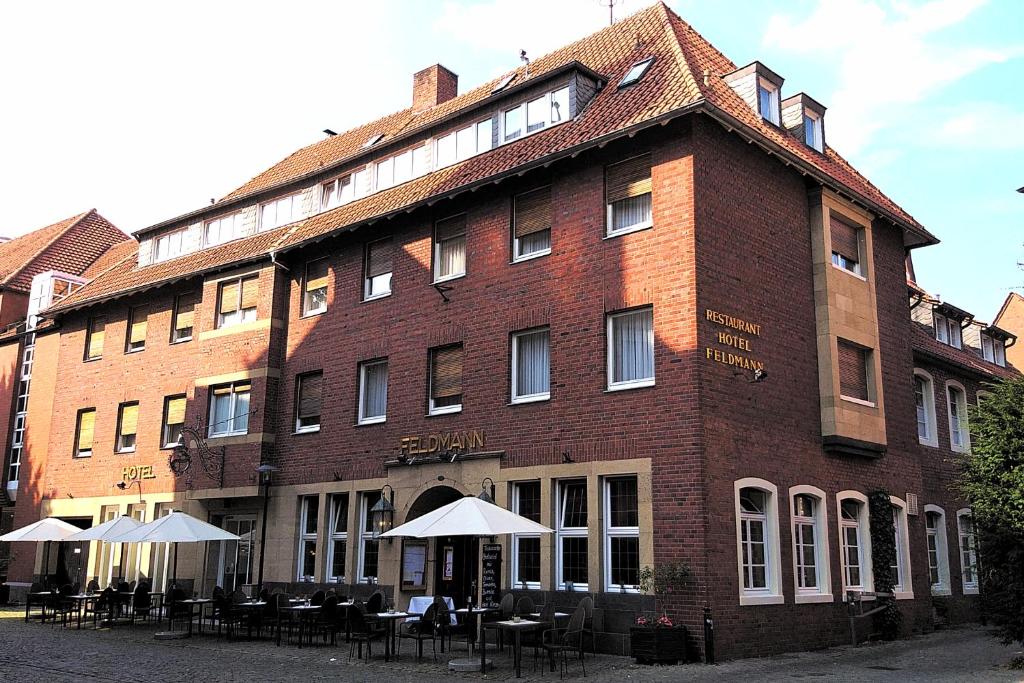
x=883, y=559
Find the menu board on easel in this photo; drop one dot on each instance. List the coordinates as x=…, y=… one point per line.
x=491, y=578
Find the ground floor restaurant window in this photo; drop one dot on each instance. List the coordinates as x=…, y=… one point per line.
x=571, y=553
x=526, y=547
x=336, y=550
x=621, y=534
x=307, y=537
x=368, y=545
x=853, y=530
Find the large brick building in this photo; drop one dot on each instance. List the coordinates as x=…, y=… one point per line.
x=629, y=285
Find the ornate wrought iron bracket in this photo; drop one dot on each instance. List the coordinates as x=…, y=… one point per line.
x=211, y=460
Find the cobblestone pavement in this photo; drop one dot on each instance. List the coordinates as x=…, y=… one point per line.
x=37, y=652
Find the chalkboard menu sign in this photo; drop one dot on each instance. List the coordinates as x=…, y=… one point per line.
x=489, y=587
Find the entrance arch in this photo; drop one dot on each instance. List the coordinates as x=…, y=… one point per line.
x=455, y=557
x=431, y=499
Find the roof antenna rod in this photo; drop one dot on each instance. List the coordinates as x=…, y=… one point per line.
x=610, y=4
x=526, y=60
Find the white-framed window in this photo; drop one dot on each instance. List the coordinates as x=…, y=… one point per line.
x=282, y=211
x=993, y=349
x=174, y=420
x=855, y=366
x=308, y=524
x=169, y=245
x=924, y=400
x=229, y=409
x=401, y=168
x=531, y=365
x=956, y=403
x=847, y=252
x=314, y=287
x=631, y=349
x=947, y=330
x=450, y=248
x=541, y=112
x=628, y=196
x=902, y=585
x=94, y=337
x=373, y=391
x=368, y=545
x=938, y=549
x=968, y=551
x=135, y=337
x=855, y=541
x=308, y=401
x=378, y=265
x=758, y=556
x=236, y=301
x=183, y=322
x=621, y=534
x=127, y=426
x=463, y=143
x=571, y=545
x=339, y=191
x=768, y=100
x=526, y=547
x=445, y=380
x=636, y=72
x=84, y=432
x=811, y=568
x=531, y=224
x=338, y=543
x=223, y=229
x=812, y=131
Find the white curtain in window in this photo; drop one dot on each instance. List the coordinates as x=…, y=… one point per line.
x=221, y=414
x=375, y=390
x=452, y=256
x=631, y=212
x=633, y=346
x=532, y=363
x=240, y=423
x=534, y=242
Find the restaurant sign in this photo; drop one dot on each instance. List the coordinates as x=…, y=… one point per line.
x=443, y=442
x=736, y=336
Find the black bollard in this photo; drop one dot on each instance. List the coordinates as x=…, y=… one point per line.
x=709, y=637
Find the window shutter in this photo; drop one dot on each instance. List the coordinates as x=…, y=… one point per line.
x=853, y=371
x=130, y=419
x=138, y=331
x=446, y=372
x=316, y=275
x=630, y=178
x=310, y=389
x=86, y=421
x=379, y=258
x=229, y=297
x=845, y=240
x=176, y=411
x=185, y=313
x=250, y=289
x=96, y=338
x=450, y=227
x=533, y=212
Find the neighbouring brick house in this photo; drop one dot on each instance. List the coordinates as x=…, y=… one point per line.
x=631, y=288
x=38, y=269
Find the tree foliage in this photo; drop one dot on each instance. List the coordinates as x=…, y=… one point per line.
x=993, y=483
x=883, y=559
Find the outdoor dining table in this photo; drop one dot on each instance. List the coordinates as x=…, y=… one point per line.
x=81, y=600
x=250, y=606
x=40, y=599
x=390, y=619
x=304, y=612
x=192, y=604
x=517, y=628
x=478, y=613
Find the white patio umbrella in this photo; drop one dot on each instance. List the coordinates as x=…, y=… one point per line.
x=469, y=516
x=110, y=529
x=45, y=530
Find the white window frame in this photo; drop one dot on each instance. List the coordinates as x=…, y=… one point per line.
x=609, y=351
x=367, y=280
x=969, y=587
x=240, y=315
x=233, y=397
x=451, y=138
x=903, y=583
x=863, y=526
x=363, y=419
x=539, y=396
x=305, y=538
x=610, y=231
x=437, y=252
x=517, y=254
x=562, y=532
x=816, y=140
x=514, y=570
x=823, y=567
x=295, y=206
x=948, y=330
x=996, y=351
x=773, y=100
x=165, y=425
x=334, y=536
x=364, y=536
x=119, y=447
x=959, y=423
x=941, y=542
x=237, y=230
x=299, y=381
x=341, y=194
x=307, y=308
x=523, y=107
x=174, y=242
x=772, y=593
x=931, y=420
x=611, y=532
x=442, y=410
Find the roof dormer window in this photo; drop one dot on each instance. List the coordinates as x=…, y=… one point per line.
x=768, y=100
x=947, y=330
x=812, y=131
x=993, y=345
x=636, y=72
x=539, y=113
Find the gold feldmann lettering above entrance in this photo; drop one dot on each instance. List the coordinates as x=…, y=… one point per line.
x=442, y=442
x=733, y=340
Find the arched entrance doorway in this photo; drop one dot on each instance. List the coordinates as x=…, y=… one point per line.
x=455, y=557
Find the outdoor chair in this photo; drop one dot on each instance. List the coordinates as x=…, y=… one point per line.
x=327, y=619
x=562, y=643
x=93, y=586
x=446, y=630
x=547, y=618
x=375, y=604
x=525, y=606
x=361, y=632
x=424, y=628
x=142, y=603
x=102, y=606
x=283, y=617
x=317, y=598
x=507, y=606
x=62, y=605
x=587, y=603
x=175, y=609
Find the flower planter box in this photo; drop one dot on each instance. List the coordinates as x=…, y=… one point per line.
x=658, y=644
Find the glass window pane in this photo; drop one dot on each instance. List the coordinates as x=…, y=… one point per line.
x=633, y=346
x=625, y=560
x=560, y=105
x=483, y=136
x=622, y=494
x=465, y=143
x=532, y=363
x=536, y=117
x=528, y=560
x=574, y=504
x=574, y=559
x=528, y=500
x=513, y=123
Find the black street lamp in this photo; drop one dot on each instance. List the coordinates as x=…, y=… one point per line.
x=266, y=473
x=382, y=513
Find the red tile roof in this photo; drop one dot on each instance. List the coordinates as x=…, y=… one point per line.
x=674, y=85
x=924, y=343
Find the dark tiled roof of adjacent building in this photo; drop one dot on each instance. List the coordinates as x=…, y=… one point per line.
x=686, y=76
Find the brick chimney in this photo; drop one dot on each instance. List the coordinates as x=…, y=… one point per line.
x=432, y=86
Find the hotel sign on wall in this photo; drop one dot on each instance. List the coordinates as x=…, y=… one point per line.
x=733, y=341
x=132, y=472
x=442, y=443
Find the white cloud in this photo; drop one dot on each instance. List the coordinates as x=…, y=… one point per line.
x=888, y=58
x=981, y=125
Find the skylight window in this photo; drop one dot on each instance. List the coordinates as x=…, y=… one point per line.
x=636, y=72
x=374, y=139
x=504, y=83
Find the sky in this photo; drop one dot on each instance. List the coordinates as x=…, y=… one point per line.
x=148, y=110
